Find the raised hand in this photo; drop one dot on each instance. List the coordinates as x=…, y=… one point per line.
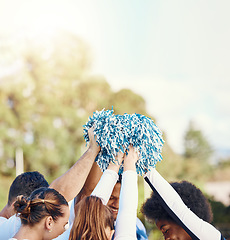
x=119, y=157
x=130, y=159
x=93, y=141
x=115, y=166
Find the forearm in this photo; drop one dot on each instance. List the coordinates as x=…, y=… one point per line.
x=92, y=179
x=108, y=180
x=70, y=183
x=105, y=186
x=127, y=215
x=198, y=227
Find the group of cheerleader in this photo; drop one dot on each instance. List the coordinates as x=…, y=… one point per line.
x=179, y=210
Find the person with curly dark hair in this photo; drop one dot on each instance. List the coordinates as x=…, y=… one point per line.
x=44, y=215
x=180, y=210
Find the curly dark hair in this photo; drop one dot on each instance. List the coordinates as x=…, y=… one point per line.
x=192, y=196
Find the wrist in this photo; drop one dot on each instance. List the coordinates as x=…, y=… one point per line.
x=130, y=166
x=94, y=147
x=94, y=150
x=114, y=167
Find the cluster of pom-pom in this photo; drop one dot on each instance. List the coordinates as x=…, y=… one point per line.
x=116, y=132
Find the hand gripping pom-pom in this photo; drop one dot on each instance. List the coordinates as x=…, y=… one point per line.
x=116, y=132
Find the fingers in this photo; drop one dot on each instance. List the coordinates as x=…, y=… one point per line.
x=91, y=132
x=120, y=157
x=130, y=159
x=132, y=154
x=116, y=165
x=93, y=140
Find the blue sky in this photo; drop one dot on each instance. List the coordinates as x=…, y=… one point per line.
x=173, y=53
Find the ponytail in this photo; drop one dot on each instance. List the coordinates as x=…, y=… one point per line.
x=42, y=202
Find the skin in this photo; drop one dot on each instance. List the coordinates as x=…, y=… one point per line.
x=113, y=202
x=7, y=211
x=172, y=231
x=70, y=183
x=129, y=164
x=47, y=228
x=95, y=174
x=109, y=233
x=59, y=226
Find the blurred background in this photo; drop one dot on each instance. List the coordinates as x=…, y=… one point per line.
x=62, y=60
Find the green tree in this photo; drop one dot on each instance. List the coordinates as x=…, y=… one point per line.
x=126, y=101
x=46, y=95
x=39, y=105
x=197, y=153
x=196, y=145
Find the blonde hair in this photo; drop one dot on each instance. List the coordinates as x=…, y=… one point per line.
x=91, y=219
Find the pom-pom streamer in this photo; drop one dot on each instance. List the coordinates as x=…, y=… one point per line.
x=116, y=132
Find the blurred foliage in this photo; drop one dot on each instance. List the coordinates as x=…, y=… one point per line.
x=197, y=154
x=196, y=145
x=222, y=212
x=4, y=189
x=221, y=217
x=47, y=93
x=46, y=97
x=222, y=171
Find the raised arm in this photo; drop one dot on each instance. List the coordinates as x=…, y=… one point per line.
x=127, y=214
x=90, y=183
x=71, y=182
x=108, y=180
x=195, y=226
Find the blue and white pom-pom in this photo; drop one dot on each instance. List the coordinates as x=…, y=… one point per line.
x=116, y=132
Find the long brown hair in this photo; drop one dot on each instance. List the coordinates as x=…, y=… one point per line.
x=91, y=219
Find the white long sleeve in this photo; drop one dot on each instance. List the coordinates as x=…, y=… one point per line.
x=201, y=229
x=127, y=214
x=105, y=186
x=9, y=227
x=103, y=190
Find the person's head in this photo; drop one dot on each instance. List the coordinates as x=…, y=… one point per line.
x=193, y=199
x=113, y=202
x=93, y=220
x=24, y=184
x=46, y=207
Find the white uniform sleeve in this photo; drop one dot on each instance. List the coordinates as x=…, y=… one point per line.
x=103, y=190
x=201, y=229
x=65, y=235
x=105, y=186
x=9, y=227
x=127, y=214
